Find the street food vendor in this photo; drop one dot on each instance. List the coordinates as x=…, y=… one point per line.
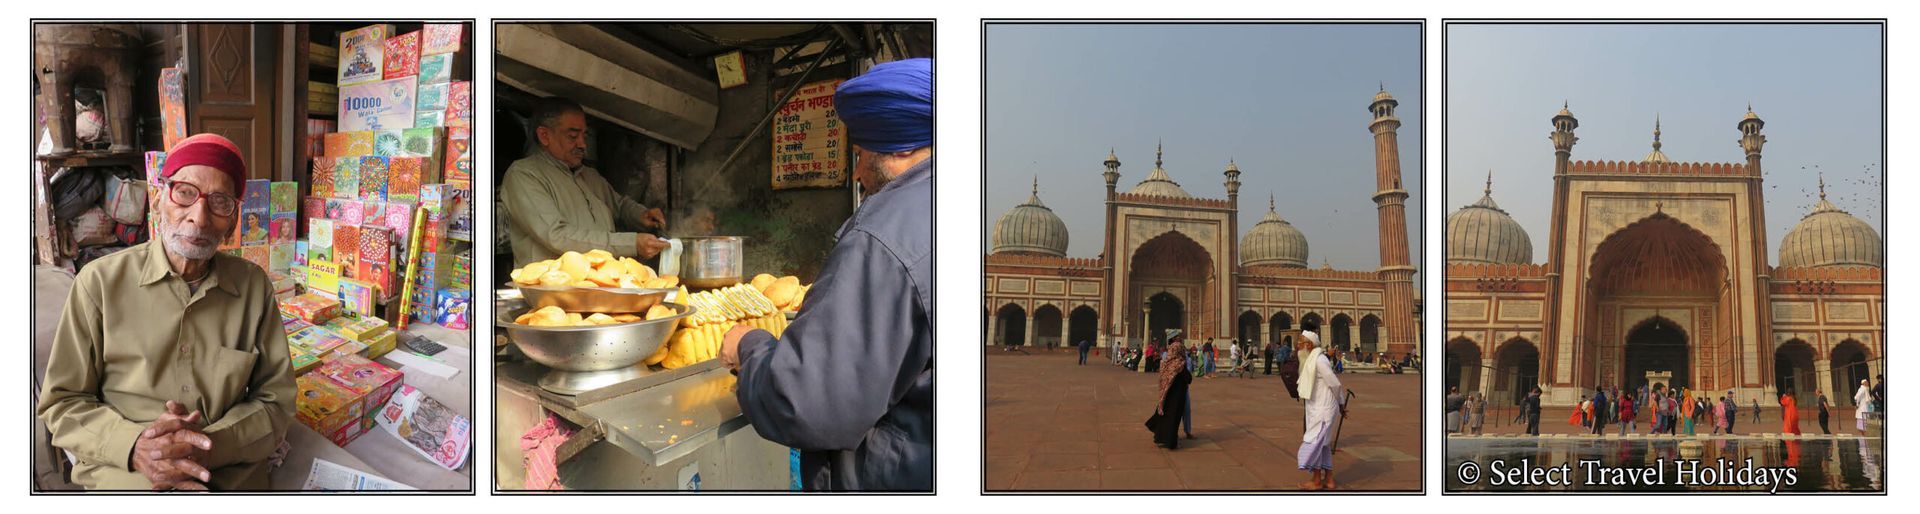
x=850, y=382
x=169, y=369
x=555, y=203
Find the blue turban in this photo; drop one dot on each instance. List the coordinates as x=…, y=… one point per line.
x=890, y=107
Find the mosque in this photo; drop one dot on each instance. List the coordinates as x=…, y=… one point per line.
x=1170, y=260
x=1656, y=273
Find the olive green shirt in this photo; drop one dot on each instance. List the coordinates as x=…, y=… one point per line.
x=133, y=336
x=551, y=211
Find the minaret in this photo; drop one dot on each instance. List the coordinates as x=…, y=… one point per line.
x=1557, y=386
x=1110, y=311
x=1396, y=268
x=1563, y=140
x=1233, y=245
x=1751, y=139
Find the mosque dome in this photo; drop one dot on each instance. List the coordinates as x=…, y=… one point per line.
x=1829, y=236
x=1274, y=241
x=1483, y=233
x=1158, y=183
x=1031, y=227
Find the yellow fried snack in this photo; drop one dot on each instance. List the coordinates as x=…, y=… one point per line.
x=574, y=265
x=659, y=311
x=555, y=278
x=626, y=317
x=761, y=281
x=658, y=355
x=602, y=278
x=598, y=257
x=798, y=298
x=601, y=318
x=782, y=292
x=544, y=317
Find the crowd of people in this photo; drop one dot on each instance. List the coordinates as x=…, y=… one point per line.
x=1666, y=410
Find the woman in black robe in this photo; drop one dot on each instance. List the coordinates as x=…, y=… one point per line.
x=1172, y=402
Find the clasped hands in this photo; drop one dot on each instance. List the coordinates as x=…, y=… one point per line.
x=172, y=452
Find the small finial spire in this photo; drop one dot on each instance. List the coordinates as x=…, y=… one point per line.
x=1563, y=103
x=1036, y=185
x=1383, y=85
x=1823, y=186
x=1159, y=149
x=1656, y=131
x=1270, y=202
x=1489, y=182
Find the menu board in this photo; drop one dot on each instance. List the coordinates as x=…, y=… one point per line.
x=809, y=144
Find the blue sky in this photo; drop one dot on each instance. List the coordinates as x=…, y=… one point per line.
x=1818, y=87
x=1288, y=103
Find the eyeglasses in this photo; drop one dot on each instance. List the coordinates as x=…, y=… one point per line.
x=184, y=194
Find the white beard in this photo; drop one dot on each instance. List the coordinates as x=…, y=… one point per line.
x=178, y=239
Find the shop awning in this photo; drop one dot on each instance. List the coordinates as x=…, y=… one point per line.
x=612, y=79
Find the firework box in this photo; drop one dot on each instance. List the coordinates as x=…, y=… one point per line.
x=320, y=240
x=346, y=177
x=420, y=142
x=280, y=257
x=431, y=97
x=386, y=142
x=373, y=382
x=300, y=254
x=376, y=257
x=364, y=329
x=423, y=303
x=173, y=106
x=436, y=69
x=346, y=248
x=373, y=213
x=402, y=55
x=291, y=324
x=459, y=152
x=323, y=277
x=460, y=214
x=429, y=119
x=450, y=309
x=348, y=144
x=433, y=198
x=283, y=197
x=431, y=429
x=344, y=211
x=320, y=337
x=460, y=104
x=440, y=38
x=311, y=208
x=260, y=255
x=328, y=408
x=403, y=174
x=387, y=104
x=373, y=179
x=304, y=359
x=313, y=308
x=357, y=297
x=462, y=276
x=281, y=228
x=400, y=219
x=434, y=268
x=322, y=176
x=362, y=55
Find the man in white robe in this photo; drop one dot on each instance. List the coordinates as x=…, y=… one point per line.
x=1862, y=407
x=1325, y=404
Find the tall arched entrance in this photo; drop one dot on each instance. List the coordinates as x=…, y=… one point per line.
x=1342, y=332
x=1793, y=369
x=1658, y=302
x=1279, y=325
x=1013, y=325
x=1463, y=365
x=1250, y=323
x=1172, y=276
x=1370, y=333
x=1516, y=370
x=1657, y=345
x=1311, y=321
x=1047, y=325
x=1082, y=325
x=1849, y=361
x=1165, y=311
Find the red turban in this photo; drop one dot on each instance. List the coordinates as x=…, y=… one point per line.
x=208, y=150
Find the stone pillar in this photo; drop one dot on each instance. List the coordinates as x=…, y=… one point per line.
x=993, y=328
x=1823, y=377
x=1486, y=381
x=1028, y=340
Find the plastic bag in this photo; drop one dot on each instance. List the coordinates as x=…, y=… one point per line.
x=126, y=201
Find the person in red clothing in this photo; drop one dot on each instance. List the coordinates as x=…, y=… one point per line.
x=1789, y=415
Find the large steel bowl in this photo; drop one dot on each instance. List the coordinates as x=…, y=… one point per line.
x=591, y=348
x=593, y=299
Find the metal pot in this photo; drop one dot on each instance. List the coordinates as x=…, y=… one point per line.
x=590, y=348
x=710, y=262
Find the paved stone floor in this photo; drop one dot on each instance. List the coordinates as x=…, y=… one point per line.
x=1054, y=425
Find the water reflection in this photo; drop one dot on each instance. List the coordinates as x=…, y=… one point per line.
x=1820, y=464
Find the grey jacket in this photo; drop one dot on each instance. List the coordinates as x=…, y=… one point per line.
x=850, y=382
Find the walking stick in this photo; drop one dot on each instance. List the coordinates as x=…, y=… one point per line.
x=1343, y=421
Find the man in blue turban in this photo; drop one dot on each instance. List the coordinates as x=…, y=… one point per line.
x=850, y=382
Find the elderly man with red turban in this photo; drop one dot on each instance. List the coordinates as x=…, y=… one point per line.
x=169, y=367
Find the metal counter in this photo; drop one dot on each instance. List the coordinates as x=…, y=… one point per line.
x=657, y=432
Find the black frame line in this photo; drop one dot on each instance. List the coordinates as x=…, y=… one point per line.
x=1447, y=23
x=1421, y=214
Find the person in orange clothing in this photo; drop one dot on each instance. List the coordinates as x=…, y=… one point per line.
x=1789, y=416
